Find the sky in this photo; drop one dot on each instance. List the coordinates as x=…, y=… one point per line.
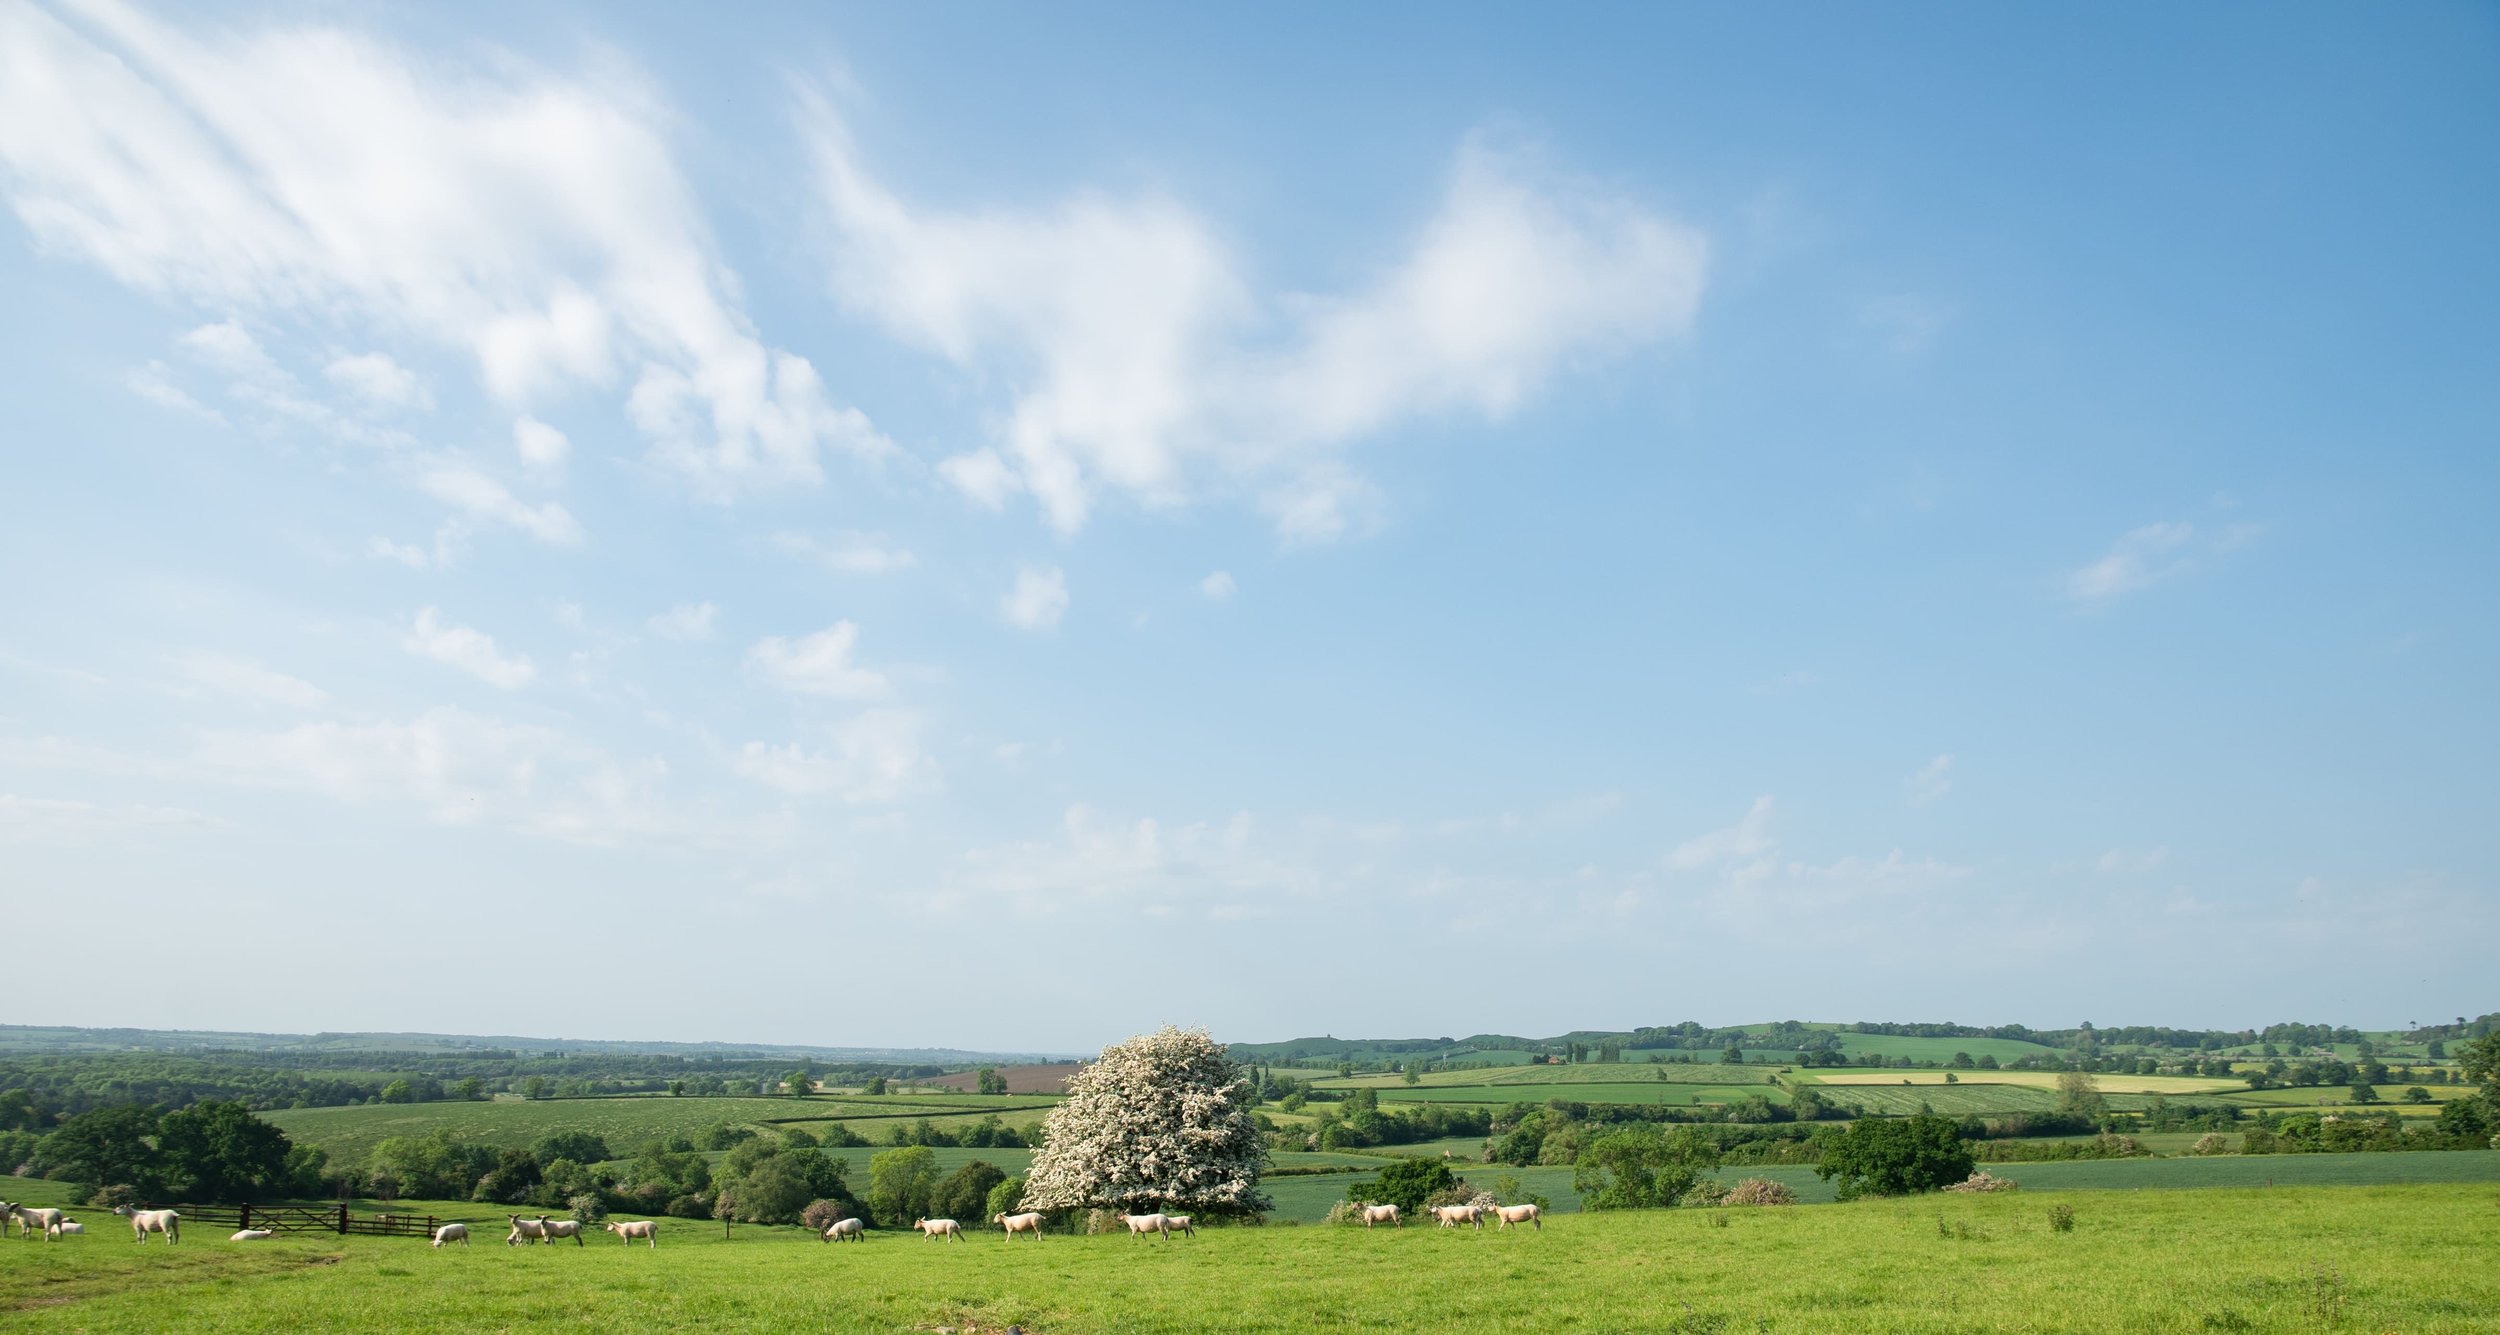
x=1006, y=526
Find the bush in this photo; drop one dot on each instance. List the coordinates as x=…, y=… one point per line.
x=1896, y=1156
x=690, y=1206
x=1758, y=1191
x=822, y=1214
x=966, y=1193
x=113, y=1197
x=2212, y=1142
x=1704, y=1194
x=1161, y=1121
x=1406, y=1184
x=1984, y=1181
x=1343, y=1212
x=2061, y=1219
x=1642, y=1167
x=588, y=1208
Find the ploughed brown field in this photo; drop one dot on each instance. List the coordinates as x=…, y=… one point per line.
x=1048, y=1079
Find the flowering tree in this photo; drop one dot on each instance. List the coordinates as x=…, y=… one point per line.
x=1159, y=1122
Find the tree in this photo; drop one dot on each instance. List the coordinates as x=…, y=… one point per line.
x=106, y=1147
x=1005, y=1198
x=2078, y=1095
x=1160, y=1121
x=965, y=1193
x=799, y=1083
x=398, y=1091
x=876, y=1084
x=534, y=1088
x=217, y=1151
x=1406, y=1184
x=578, y=1146
x=1646, y=1167
x=514, y=1176
x=471, y=1089
x=990, y=1081
x=2363, y=1092
x=900, y=1184
x=1895, y=1156
x=2416, y=1094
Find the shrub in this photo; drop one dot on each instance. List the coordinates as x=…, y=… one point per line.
x=1759, y=1191
x=114, y=1196
x=1160, y=1121
x=1343, y=1212
x=1705, y=1193
x=1983, y=1181
x=964, y=1193
x=2061, y=1219
x=1896, y=1156
x=1459, y=1192
x=1407, y=1184
x=588, y=1208
x=822, y=1214
x=2212, y=1142
x=690, y=1206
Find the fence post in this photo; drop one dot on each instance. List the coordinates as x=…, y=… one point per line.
x=342, y=1219
x=244, y=1219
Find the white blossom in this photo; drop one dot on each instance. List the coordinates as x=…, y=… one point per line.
x=1161, y=1121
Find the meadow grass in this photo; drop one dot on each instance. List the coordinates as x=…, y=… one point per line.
x=2172, y=1085
x=2285, y=1259
x=1611, y=1073
x=1667, y=1092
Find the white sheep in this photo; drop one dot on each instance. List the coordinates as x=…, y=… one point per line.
x=32, y=1220
x=253, y=1235
x=525, y=1230
x=1520, y=1214
x=1140, y=1225
x=1178, y=1223
x=67, y=1227
x=1382, y=1214
x=1019, y=1223
x=561, y=1228
x=629, y=1230
x=934, y=1229
x=847, y=1230
x=1451, y=1216
x=458, y=1233
x=144, y=1222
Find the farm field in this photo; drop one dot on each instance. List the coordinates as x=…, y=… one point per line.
x=1939, y=1049
x=2108, y=1084
x=2410, y=1258
x=1641, y=1092
x=350, y=1133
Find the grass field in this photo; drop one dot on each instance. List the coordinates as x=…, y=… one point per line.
x=349, y=1134
x=2282, y=1259
x=1607, y=1073
x=1641, y=1092
x=2172, y=1085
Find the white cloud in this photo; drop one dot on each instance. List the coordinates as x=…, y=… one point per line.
x=41, y=820
x=1146, y=364
x=479, y=497
x=249, y=680
x=1748, y=839
x=2120, y=861
x=378, y=382
x=542, y=448
x=471, y=651
x=2140, y=557
x=1218, y=587
x=1909, y=323
x=849, y=553
x=685, y=621
x=1930, y=781
x=534, y=220
x=818, y=664
x=875, y=757
x=154, y=382
x=1038, y=600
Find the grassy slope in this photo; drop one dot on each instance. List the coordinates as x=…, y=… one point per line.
x=351, y=1133
x=2285, y=1259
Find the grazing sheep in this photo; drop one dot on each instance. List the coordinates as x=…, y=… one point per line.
x=458, y=1233
x=1520, y=1214
x=525, y=1230
x=1164, y=1224
x=32, y=1220
x=1451, y=1216
x=1019, y=1223
x=144, y=1222
x=1382, y=1214
x=67, y=1226
x=253, y=1235
x=628, y=1230
x=561, y=1228
x=934, y=1229
x=847, y=1230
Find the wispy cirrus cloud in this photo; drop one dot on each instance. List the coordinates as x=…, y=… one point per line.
x=467, y=649
x=818, y=664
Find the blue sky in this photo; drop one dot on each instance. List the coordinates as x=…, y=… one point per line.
x=597, y=521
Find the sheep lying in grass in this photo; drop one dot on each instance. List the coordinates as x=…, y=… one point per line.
x=253, y=1235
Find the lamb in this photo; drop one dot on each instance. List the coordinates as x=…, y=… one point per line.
x=627, y=1230
x=253, y=1235
x=67, y=1227
x=1019, y=1223
x=458, y=1233
x=1382, y=1214
x=144, y=1222
x=934, y=1229
x=1520, y=1214
x=1451, y=1216
x=562, y=1228
x=525, y=1230
x=847, y=1230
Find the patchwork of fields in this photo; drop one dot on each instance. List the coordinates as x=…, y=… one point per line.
x=351, y=1133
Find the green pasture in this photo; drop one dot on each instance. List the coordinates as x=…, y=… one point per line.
x=2390, y=1096
x=1950, y=1100
x=1666, y=1092
x=349, y=1134
x=2414, y=1258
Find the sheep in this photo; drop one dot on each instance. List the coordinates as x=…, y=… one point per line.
x=253, y=1235
x=1019, y=1223
x=67, y=1227
x=1520, y=1214
x=561, y=1228
x=1141, y=1224
x=458, y=1233
x=1451, y=1216
x=628, y=1230
x=144, y=1222
x=847, y=1230
x=32, y=1220
x=934, y=1229
x=1382, y=1214
x=1178, y=1223
x=525, y=1230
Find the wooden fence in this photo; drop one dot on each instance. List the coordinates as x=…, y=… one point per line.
x=314, y=1219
